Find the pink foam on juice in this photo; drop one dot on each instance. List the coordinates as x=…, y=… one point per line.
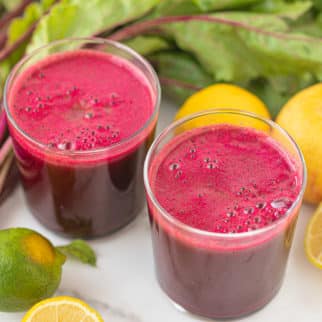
x=225, y=179
x=81, y=101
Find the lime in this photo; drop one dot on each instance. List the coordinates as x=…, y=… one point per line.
x=30, y=269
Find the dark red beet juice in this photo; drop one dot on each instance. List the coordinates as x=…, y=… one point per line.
x=81, y=123
x=221, y=202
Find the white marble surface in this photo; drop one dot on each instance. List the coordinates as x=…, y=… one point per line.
x=123, y=286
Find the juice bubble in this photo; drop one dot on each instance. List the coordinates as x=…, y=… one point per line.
x=115, y=134
x=257, y=219
x=115, y=100
x=239, y=227
x=241, y=191
x=248, y=210
x=281, y=203
x=178, y=174
x=252, y=227
x=211, y=165
x=261, y=205
x=230, y=214
x=72, y=91
x=51, y=145
x=88, y=115
x=94, y=101
x=65, y=146
x=174, y=166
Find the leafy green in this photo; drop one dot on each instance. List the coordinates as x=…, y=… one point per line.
x=274, y=94
x=83, y=18
x=188, y=7
x=180, y=74
x=147, y=45
x=217, y=42
x=18, y=27
x=32, y=13
x=176, y=7
x=242, y=47
x=282, y=8
x=80, y=250
x=312, y=26
x=213, y=5
x=10, y=4
x=317, y=4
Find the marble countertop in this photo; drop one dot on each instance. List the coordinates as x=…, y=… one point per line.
x=123, y=287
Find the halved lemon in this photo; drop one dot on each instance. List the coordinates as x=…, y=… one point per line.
x=62, y=309
x=313, y=238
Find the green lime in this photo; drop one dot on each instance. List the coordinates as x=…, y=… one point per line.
x=30, y=269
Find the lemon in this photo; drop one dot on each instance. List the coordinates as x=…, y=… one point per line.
x=302, y=118
x=30, y=269
x=62, y=309
x=223, y=96
x=313, y=238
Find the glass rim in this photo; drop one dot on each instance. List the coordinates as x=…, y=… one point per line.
x=203, y=233
x=89, y=40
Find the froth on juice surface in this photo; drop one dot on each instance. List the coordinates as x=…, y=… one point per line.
x=81, y=124
x=81, y=101
x=225, y=179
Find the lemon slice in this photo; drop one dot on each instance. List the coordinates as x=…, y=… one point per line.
x=313, y=238
x=62, y=309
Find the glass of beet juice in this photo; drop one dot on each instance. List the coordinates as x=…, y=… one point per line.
x=82, y=114
x=224, y=190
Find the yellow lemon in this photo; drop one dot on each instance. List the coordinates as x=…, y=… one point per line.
x=62, y=309
x=313, y=238
x=223, y=96
x=302, y=118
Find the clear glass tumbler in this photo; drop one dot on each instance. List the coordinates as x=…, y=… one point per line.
x=220, y=275
x=82, y=192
